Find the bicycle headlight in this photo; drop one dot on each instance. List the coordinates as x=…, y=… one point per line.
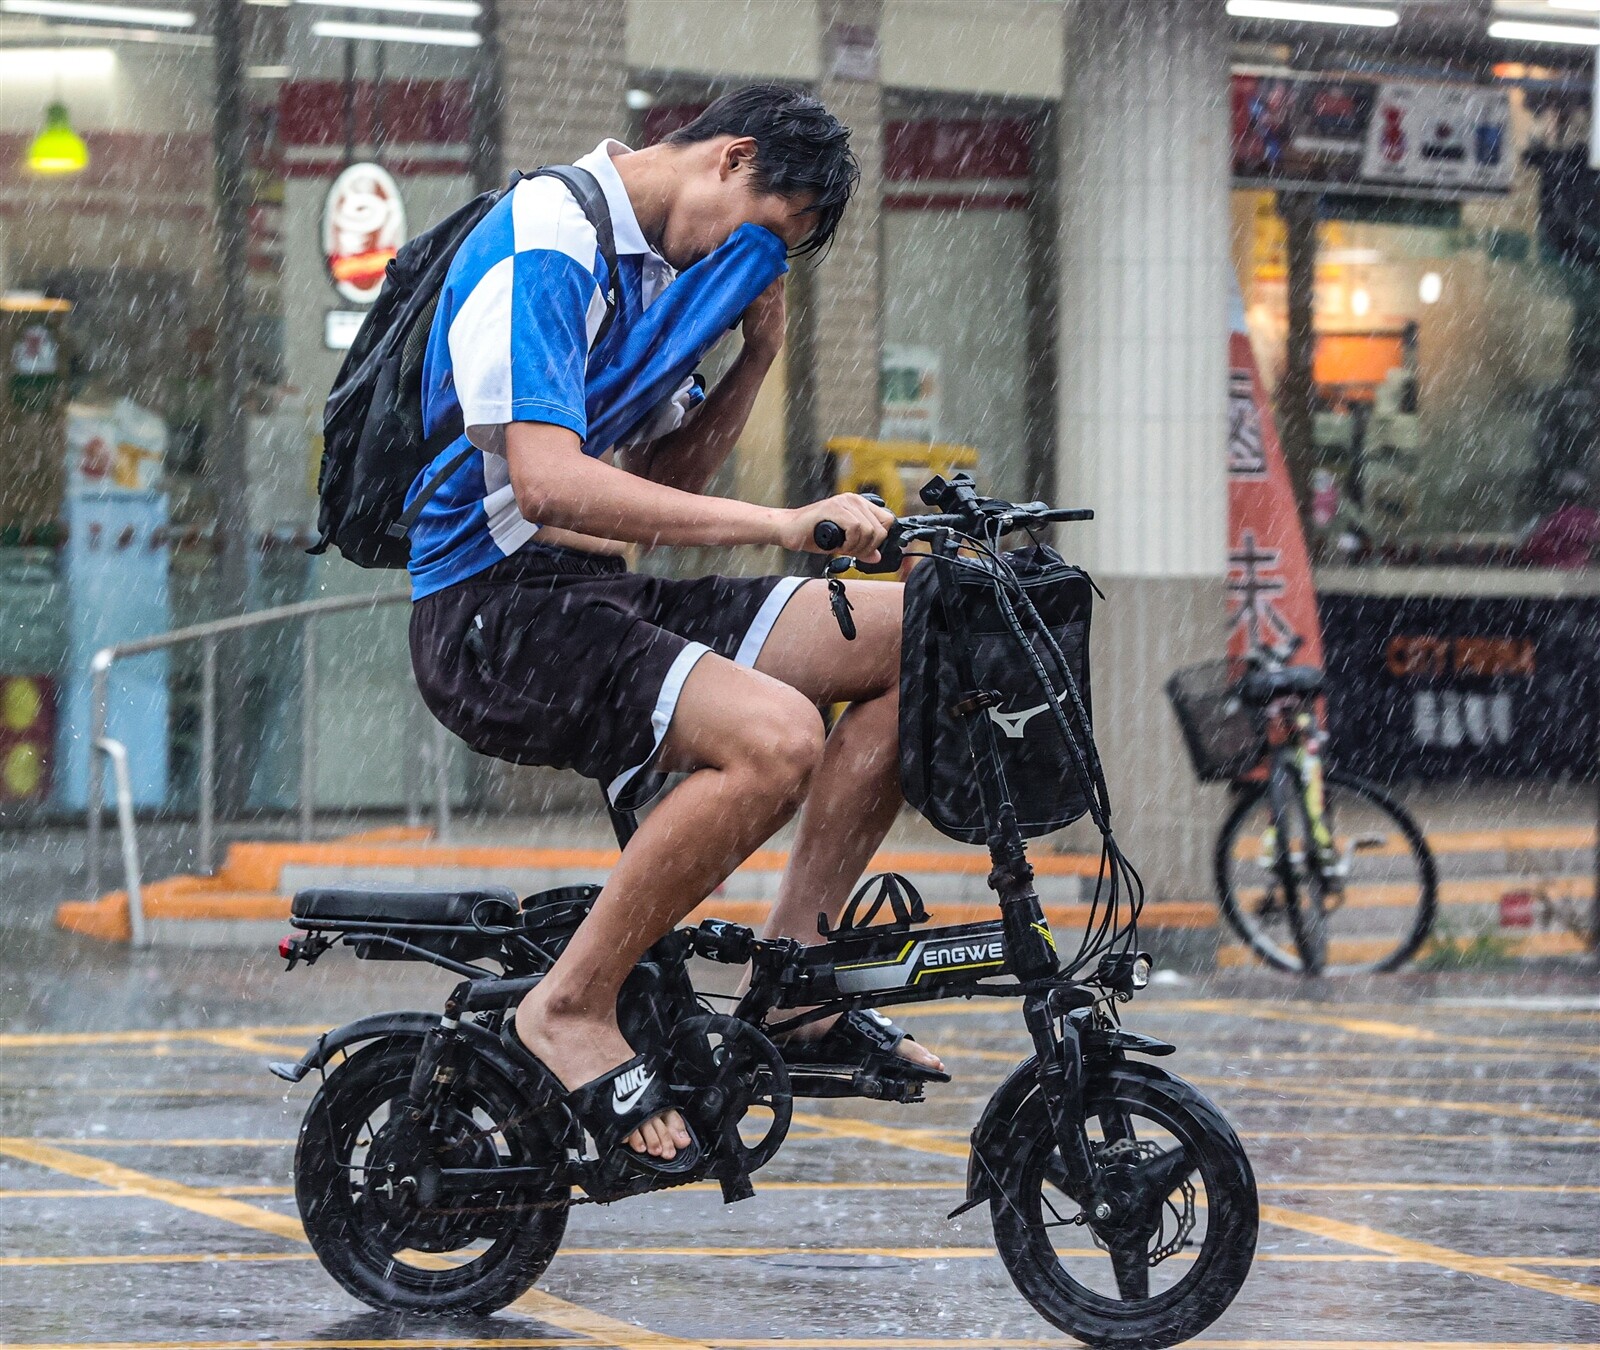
x=1123, y=973
x=1140, y=975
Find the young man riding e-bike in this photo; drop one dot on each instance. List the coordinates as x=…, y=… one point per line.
x=532, y=640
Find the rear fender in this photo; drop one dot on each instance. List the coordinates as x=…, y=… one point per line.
x=395, y=1024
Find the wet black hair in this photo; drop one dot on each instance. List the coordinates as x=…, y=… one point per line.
x=802, y=149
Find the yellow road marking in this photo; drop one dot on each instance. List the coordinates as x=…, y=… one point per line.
x=1334, y=1097
x=535, y=1303
x=40, y=1039
x=1409, y=1249
x=155, y=1259
x=96, y=1141
x=1368, y=1026
x=251, y=1044
x=431, y=1343
x=435, y=1342
x=708, y=1187
x=919, y=1343
x=1355, y=1235
x=746, y=1253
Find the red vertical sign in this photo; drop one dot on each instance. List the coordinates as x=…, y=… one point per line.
x=1271, y=597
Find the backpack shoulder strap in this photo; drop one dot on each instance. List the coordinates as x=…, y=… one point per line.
x=591, y=198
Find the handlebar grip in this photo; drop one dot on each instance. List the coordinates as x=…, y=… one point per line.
x=828, y=536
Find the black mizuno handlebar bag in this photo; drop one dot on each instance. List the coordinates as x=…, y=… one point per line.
x=937, y=771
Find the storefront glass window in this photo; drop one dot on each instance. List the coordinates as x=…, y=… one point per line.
x=1452, y=421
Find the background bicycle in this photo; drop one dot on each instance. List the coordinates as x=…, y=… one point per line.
x=1317, y=870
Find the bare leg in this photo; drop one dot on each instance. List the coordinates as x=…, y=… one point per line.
x=753, y=745
x=856, y=795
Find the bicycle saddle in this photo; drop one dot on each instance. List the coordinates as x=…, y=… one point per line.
x=1262, y=686
x=345, y=905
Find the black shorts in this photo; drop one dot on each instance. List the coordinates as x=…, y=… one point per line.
x=568, y=659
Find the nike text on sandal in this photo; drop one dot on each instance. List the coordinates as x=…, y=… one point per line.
x=614, y=1105
x=862, y=1038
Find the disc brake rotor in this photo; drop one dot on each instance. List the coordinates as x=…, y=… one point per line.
x=1177, y=1206
x=389, y=1189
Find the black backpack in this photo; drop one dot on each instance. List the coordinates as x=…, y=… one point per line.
x=372, y=442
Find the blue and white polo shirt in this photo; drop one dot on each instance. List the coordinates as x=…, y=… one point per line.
x=511, y=342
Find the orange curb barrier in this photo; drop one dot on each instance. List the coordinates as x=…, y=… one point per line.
x=107, y=918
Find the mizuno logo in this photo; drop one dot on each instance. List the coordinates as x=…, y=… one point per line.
x=1013, y=723
x=628, y=1087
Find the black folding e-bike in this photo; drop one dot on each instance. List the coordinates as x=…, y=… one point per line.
x=432, y=1177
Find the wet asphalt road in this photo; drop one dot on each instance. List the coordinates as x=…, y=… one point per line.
x=1428, y=1150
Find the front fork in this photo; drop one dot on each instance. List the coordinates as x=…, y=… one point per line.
x=1059, y=1053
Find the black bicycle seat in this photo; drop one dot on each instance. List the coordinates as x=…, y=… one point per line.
x=344, y=906
x=1262, y=686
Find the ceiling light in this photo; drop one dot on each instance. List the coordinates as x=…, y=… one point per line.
x=58, y=149
x=446, y=9
x=1545, y=32
x=1430, y=288
x=1360, y=301
x=42, y=64
x=385, y=32
x=1356, y=16
x=124, y=14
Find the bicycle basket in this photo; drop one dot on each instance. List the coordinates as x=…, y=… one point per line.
x=1223, y=739
x=936, y=765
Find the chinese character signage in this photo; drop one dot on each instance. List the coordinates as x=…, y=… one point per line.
x=1271, y=598
x=1431, y=688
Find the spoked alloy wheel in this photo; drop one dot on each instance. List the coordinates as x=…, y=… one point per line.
x=1184, y=1234
x=357, y=1170
x=1369, y=908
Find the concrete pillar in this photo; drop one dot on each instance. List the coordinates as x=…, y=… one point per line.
x=840, y=299
x=564, y=74
x=1143, y=359
x=564, y=68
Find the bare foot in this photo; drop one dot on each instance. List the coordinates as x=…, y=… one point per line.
x=908, y=1049
x=579, y=1048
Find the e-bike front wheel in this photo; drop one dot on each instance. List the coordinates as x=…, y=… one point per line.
x=1375, y=884
x=1183, y=1235
x=361, y=1171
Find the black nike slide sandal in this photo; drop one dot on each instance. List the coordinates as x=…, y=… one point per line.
x=614, y=1105
x=862, y=1038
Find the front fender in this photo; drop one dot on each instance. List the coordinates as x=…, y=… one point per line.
x=418, y=1024
x=993, y=1132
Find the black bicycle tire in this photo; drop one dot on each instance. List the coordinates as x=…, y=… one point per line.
x=1427, y=901
x=1308, y=920
x=1220, y=1267
x=531, y=1240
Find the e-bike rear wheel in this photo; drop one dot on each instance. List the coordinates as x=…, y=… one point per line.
x=1376, y=899
x=1184, y=1233
x=356, y=1171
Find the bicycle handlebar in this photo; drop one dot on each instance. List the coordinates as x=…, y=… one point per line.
x=829, y=536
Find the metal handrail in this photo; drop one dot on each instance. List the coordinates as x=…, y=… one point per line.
x=208, y=634
x=117, y=753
